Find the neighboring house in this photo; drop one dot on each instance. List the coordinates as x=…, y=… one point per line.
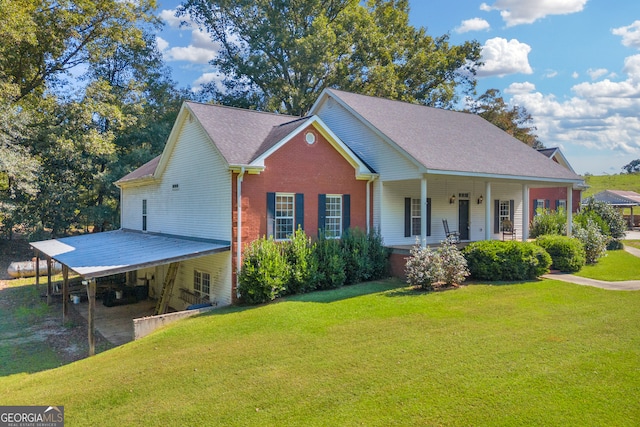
x=553, y=198
x=228, y=176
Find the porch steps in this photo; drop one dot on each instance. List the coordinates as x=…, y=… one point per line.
x=167, y=289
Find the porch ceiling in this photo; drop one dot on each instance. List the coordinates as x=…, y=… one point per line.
x=112, y=252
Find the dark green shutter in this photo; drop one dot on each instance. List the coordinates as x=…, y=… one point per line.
x=346, y=212
x=407, y=217
x=299, y=211
x=496, y=216
x=428, y=216
x=512, y=205
x=271, y=214
x=322, y=212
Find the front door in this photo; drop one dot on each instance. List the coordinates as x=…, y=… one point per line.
x=463, y=219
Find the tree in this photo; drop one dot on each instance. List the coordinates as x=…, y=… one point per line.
x=516, y=121
x=279, y=55
x=633, y=166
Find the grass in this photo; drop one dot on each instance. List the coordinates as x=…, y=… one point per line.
x=633, y=243
x=626, y=182
x=376, y=354
x=21, y=348
x=616, y=266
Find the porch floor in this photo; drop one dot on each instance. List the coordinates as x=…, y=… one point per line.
x=116, y=323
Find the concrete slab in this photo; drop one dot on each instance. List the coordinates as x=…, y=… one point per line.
x=116, y=323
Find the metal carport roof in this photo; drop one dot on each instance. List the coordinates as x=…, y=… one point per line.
x=111, y=252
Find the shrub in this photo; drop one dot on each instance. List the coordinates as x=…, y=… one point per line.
x=592, y=239
x=611, y=216
x=264, y=272
x=567, y=253
x=364, y=255
x=547, y=222
x=331, y=265
x=510, y=260
x=298, y=253
x=427, y=268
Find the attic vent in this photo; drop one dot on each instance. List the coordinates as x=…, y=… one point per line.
x=175, y=187
x=310, y=137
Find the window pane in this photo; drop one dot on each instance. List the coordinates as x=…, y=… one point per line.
x=504, y=212
x=206, y=283
x=197, y=281
x=416, y=217
x=284, y=216
x=333, y=216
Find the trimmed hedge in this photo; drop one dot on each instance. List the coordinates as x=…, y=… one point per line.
x=511, y=260
x=567, y=253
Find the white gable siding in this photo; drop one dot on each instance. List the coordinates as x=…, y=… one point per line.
x=217, y=265
x=385, y=160
x=193, y=197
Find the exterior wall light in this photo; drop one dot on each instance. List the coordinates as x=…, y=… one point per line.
x=452, y=199
x=480, y=199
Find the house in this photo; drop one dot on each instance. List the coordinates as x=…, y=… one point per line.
x=553, y=198
x=228, y=176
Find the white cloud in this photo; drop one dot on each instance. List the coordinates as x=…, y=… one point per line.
x=597, y=73
x=516, y=12
x=169, y=16
x=502, y=57
x=630, y=34
x=551, y=74
x=162, y=44
x=520, y=88
x=207, y=78
x=575, y=75
x=474, y=24
x=600, y=115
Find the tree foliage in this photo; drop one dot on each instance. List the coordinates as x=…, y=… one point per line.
x=65, y=138
x=633, y=166
x=279, y=55
x=515, y=120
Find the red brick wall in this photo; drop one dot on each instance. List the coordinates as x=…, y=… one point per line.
x=552, y=194
x=297, y=167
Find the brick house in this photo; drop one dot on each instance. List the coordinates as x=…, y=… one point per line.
x=228, y=176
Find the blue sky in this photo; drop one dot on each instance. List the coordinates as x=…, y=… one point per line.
x=573, y=64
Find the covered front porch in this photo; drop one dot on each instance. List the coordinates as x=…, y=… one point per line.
x=476, y=208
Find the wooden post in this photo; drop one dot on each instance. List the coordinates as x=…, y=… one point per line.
x=65, y=294
x=49, y=286
x=38, y=272
x=91, y=294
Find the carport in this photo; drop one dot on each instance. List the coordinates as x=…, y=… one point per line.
x=120, y=251
x=620, y=199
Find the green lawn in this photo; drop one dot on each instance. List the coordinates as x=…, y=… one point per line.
x=376, y=354
x=632, y=243
x=616, y=266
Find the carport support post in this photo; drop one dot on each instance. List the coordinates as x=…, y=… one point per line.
x=49, y=286
x=91, y=294
x=65, y=294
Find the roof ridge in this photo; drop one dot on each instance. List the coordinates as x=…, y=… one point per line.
x=246, y=110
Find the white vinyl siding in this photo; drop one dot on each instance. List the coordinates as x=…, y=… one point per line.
x=193, y=197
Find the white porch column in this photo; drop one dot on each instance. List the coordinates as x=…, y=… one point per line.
x=487, y=210
x=525, y=212
x=569, y=210
x=423, y=211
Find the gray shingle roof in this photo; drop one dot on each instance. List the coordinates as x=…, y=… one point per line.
x=241, y=135
x=618, y=197
x=444, y=140
x=144, y=171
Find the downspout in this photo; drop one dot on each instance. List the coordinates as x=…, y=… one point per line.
x=239, y=222
x=368, y=215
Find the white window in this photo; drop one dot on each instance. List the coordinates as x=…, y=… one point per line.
x=562, y=204
x=144, y=215
x=505, y=212
x=539, y=207
x=201, y=284
x=333, y=216
x=284, y=216
x=416, y=218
